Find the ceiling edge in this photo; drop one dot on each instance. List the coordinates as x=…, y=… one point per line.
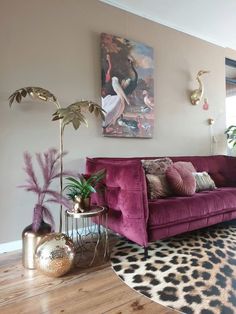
x=162, y=22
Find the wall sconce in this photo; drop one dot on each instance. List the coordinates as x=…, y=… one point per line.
x=210, y=121
x=196, y=95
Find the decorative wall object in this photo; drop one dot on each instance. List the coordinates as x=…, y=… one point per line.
x=127, y=87
x=197, y=94
x=211, y=122
x=205, y=105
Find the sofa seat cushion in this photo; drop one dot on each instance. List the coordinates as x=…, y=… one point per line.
x=179, y=209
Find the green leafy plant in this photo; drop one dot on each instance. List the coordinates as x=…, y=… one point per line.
x=231, y=135
x=84, y=186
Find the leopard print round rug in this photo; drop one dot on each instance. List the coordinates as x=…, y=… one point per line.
x=191, y=273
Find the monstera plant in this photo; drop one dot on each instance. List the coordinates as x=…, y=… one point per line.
x=231, y=135
x=74, y=114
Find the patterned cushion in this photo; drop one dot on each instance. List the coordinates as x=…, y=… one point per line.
x=157, y=186
x=203, y=181
x=181, y=179
x=156, y=166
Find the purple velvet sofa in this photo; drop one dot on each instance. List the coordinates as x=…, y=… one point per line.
x=134, y=216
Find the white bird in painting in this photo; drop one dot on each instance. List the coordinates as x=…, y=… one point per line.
x=149, y=101
x=118, y=90
x=114, y=107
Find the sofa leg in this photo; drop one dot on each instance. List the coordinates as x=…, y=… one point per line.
x=145, y=252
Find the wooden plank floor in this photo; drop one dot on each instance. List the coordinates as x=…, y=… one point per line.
x=85, y=290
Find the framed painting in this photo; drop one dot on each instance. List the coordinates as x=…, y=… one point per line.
x=127, y=87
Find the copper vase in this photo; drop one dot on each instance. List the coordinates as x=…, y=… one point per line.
x=30, y=240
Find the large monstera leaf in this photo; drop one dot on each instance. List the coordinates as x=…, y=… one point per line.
x=34, y=92
x=74, y=113
x=231, y=135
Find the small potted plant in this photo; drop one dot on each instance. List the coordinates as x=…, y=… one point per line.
x=80, y=190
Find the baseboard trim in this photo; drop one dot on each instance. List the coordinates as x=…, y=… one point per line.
x=17, y=245
x=10, y=246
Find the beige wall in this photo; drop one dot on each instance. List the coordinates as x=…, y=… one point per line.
x=231, y=54
x=55, y=44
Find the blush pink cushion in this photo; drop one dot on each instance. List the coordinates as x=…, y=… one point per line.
x=185, y=165
x=180, y=178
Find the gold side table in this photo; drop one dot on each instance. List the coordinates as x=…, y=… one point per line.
x=85, y=233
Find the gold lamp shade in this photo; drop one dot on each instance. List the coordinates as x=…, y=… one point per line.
x=55, y=255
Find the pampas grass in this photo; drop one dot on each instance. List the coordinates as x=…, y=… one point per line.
x=49, y=164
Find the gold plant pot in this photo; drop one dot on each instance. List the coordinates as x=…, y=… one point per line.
x=81, y=204
x=30, y=240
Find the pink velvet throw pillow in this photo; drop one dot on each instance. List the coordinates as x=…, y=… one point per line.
x=180, y=178
x=185, y=165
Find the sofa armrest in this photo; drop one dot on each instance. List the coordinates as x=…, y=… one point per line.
x=125, y=196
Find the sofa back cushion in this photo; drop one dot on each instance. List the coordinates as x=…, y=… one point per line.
x=222, y=169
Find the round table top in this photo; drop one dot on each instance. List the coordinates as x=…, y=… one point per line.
x=92, y=212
